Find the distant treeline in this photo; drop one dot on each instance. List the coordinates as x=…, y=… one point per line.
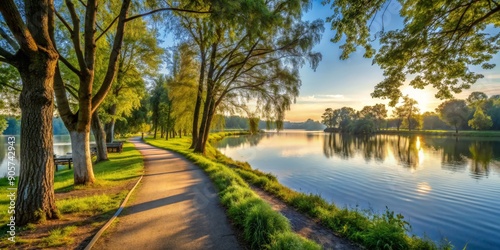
x=238, y=122
x=13, y=126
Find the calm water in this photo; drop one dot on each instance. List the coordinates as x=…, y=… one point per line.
x=444, y=187
x=62, y=146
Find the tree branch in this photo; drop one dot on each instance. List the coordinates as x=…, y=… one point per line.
x=69, y=65
x=16, y=25
x=10, y=86
x=75, y=36
x=9, y=39
x=107, y=29
x=6, y=55
x=166, y=9
x=66, y=24
x=113, y=59
x=62, y=100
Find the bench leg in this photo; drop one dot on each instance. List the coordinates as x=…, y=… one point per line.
x=69, y=164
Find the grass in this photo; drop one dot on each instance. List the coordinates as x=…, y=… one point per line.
x=99, y=199
x=59, y=237
x=262, y=227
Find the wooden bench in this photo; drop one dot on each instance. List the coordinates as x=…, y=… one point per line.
x=116, y=146
x=63, y=160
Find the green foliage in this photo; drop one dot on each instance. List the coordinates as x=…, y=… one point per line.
x=437, y=45
x=480, y=121
x=454, y=112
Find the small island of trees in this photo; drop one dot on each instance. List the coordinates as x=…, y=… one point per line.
x=477, y=112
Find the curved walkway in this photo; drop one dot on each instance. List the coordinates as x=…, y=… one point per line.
x=175, y=207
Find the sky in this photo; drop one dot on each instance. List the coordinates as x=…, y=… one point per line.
x=337, y=83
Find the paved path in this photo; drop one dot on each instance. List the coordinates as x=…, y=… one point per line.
x=175, y=207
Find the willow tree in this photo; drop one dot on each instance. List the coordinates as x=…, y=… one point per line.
x=183, y=88
x=255, y=56
x=439, y=42
x=30, y=49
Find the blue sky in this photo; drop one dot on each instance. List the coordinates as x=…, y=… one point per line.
x=338, y=83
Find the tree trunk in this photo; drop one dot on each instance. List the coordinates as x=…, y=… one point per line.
x=199, y=99
x=35, y=196
x=83, y=171
x=100, y=138
x=110, y=126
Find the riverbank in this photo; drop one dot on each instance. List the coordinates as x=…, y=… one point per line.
x=371, y=230
x=260, y=226
x=461, y=133
x=84, y=209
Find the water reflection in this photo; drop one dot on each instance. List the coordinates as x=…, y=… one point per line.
x=480, y=155
x=446, y=187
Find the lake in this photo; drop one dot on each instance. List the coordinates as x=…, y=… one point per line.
x=62, y=146
x=445, y=187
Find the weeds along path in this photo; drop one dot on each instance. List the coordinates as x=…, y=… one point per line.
x=306, y=226
x=175, y=207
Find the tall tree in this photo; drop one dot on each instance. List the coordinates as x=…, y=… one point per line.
x=32, y=52
x=183, y=88
x=409, y=110
x=256, y=56
x=328, y=118
x=439, y=42
x=139, y=59
x=78, y=123
x=454, y=112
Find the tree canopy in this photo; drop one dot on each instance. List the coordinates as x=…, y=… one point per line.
x=438, y=44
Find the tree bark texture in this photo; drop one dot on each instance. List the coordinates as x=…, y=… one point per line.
x=35, y=59
x=35, y=196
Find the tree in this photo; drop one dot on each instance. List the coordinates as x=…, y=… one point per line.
x=454, y=112
x=254, y=56
x=344, y=117
x=183, y=88
x=408, y=110
x=328, y=118
x=32, y=52
x=139, y=59
x=158, y=96
x=480, y=121
x=399, y=114
x=438, y=43
x=476, y=98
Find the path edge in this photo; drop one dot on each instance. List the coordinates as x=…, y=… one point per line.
x=101, y=231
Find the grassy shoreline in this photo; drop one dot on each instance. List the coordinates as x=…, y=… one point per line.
x=84, y=209
x=451, y=133
x=373, y=231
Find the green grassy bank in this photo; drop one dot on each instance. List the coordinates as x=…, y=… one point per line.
x=374, y=231
x=262, y=227
x=97, y=202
